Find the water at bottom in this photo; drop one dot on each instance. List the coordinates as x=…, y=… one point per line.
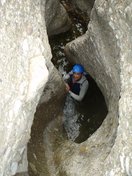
x=70, y=118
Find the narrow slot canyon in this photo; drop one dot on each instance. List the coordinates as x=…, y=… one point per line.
x=43, y=132
x=47, y=138
x=92, y=110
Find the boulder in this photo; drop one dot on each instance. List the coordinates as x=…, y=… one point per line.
x=57, y=20
x=84, y=5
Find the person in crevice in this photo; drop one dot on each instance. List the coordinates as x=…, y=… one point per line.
x=76, y=82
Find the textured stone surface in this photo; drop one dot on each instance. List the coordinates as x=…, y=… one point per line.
x=23, y=73
x=24, y=69
x=84, y=5
x=105, y=51
x=46, y=112
x=57, y=19
x=54, y=87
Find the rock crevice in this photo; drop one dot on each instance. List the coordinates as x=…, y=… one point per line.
x=26, y=69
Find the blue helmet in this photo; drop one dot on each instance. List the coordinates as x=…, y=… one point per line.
x=77, y=68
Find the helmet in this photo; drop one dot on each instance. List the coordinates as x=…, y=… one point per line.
x=77, y=68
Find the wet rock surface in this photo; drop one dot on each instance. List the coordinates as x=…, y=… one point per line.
x=50, y=107
x=36, y=155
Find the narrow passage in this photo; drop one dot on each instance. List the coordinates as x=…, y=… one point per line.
x=93, y=110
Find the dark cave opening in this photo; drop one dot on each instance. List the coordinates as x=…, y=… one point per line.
x=93, y=111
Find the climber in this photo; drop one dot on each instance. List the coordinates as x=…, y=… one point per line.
x=76, y=82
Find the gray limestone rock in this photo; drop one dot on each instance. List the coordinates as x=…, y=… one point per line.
x=24, y=52
x=25, y=57
x=105, y=51
x=25, y=69
x=84, y=5
x=57, y=20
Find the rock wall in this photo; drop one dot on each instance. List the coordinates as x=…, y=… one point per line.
x=24, y=70
x=23, y=73
x=105, y=51
x=119, y=161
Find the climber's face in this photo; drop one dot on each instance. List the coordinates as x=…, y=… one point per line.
x=77, y=76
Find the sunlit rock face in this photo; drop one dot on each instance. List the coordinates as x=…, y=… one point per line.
x=105, y=51
x=25, y=68
x=23, y=74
